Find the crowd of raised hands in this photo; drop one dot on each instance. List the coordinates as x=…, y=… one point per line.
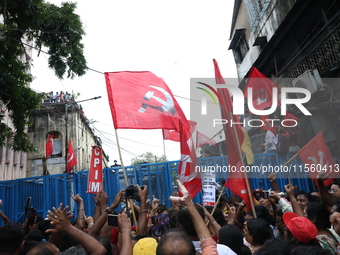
x=93, y=234
x=280, y=225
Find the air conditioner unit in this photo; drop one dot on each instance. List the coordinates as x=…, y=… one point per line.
x=310, y=80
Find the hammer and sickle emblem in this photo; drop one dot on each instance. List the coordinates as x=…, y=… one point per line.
x=262, y=96
x=70, y=157
x=167, y=106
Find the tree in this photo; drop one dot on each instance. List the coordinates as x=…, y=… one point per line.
x=148, y=157
x=40, y=24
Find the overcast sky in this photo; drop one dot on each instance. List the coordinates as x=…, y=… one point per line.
x=176, y=40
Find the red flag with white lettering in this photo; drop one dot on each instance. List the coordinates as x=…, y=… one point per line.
x=141, y=100
x=95, y=176
x=71, y=157
x=49, y=146
x=202, y=139
x=317, y=158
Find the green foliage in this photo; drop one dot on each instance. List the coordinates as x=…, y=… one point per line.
x=44, y=25
x=148, y=157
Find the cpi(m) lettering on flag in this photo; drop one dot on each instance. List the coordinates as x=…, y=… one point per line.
x=317, y=158
x=95, y=179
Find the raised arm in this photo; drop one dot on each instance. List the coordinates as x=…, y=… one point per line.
x=81, y=212
x=59, y=218
x=289, y=188
x=208, y=245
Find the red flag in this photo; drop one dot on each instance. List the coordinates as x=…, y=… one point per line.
x=262, y=97
x=236, y=181
x=71, y=157
x=262, y=89
x=49, y=146
x=317, y=158
x=173, y=135
x=202, y=139
x=141, y=100
x=186, y=169
x=95, y=176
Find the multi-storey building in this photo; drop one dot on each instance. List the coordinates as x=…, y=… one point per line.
x=64, y=121
x=297, y=40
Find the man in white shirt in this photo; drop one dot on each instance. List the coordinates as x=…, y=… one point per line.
x=270, y=142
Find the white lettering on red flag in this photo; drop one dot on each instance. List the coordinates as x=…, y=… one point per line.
x=95, y=176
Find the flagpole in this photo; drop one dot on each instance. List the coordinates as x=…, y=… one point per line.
x=282, y=166
x=164, y=148
x=218, y=200
x=125, y=176
x=242, y=162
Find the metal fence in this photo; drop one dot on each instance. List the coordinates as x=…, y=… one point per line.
x=48, y=191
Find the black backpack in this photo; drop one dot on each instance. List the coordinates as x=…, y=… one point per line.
x=282, y=146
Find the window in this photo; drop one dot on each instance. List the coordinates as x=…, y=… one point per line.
x=239, y=45
x=57, y=143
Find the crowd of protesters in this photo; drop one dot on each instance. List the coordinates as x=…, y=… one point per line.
x=297, y=223
x=57, y=97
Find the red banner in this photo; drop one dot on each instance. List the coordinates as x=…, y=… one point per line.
x=236, y=180
x=71, y=157
x=202, y=139
x=49, y=146
x=141, y=100
x=317, y=158
x=95, y=177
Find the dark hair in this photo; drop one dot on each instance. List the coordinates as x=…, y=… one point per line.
x=173, y=217
x=263, y=213
x=318, y=214
x=232, y=236
x=309, y=250
x=218, y=215
x=161, y=208
x=11, y=236
x=185, y=220
x=106, y=243
x=178, y=240
x=306, y=194
x=277, y=246
x=43, y=249
x=260, y=230
x=34, y=235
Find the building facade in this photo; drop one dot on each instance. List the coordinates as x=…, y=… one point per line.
x=13, y=163
x=297, y=44
x=64, y=121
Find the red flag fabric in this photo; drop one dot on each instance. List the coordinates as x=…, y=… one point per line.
x=49, y=146
x=95, y=176
x=262, y=89
x=173, y=135
x=236, y=181
x=187, y=174
x=316, y=158
x=71, y=157
x=202, y=139
x=141, y=100
x=262, y=97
